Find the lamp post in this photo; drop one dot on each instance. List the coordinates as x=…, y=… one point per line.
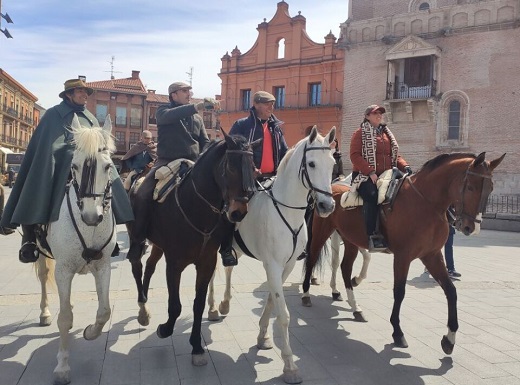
x=6, y=18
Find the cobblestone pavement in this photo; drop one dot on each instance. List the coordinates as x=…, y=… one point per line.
x=330, y=347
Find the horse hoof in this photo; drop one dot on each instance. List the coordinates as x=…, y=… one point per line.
x=88, y=335
x=292, y=377
x=199, y=359
x=337, y=297
x=224, y=308
x=359, y=317
x=213, y=315
x=400, y=342
x=353, y=282
x=143, y=317
x=45, y=320
x=161, y=333
x=62, y=378
x=264, y=344
x=447, y=346
x=315, y=282
x=306, y=301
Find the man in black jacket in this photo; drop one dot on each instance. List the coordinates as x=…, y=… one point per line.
x=180, y=134
x=261, y=123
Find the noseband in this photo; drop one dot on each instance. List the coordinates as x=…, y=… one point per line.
x=88, y=180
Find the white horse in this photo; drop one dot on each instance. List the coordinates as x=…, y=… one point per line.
x=274, y=232
x=83, y=237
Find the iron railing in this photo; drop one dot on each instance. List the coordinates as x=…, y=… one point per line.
x=503, y=204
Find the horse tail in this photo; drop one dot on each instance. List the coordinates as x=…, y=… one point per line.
x=44, y=267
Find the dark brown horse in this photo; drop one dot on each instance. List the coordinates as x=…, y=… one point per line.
x=415, y=227
x=191, y=223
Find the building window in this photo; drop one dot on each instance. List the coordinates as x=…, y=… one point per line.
x=414, y=78
x=134, y=137
x=452, y=123
x=121, y=116
x=101, y=113
x=424, y=7
x=246, y=99
x=454, y=120
x=314, y=94
x=281, y=48
x=151, y=118
x=135, y=117
x=279, y=94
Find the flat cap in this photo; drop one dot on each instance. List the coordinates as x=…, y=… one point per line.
x=263, y=97
x=178, y=86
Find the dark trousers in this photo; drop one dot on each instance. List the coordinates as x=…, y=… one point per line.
x=448, y=250
x=368, y=191
x=142, y=207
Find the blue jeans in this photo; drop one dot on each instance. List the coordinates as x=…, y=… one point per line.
x=448, y=250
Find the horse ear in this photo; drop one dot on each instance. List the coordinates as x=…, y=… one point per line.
x=494, y=163
x=75, y=125
x=479, y=159
x=313, y=134
x=331, y=135
x=108, y=124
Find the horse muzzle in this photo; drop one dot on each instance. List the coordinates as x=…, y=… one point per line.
x=325, y=207
x=92, y=218
x=237, y=209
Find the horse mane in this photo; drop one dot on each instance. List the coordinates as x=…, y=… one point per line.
x=285, y=159
x=439, y=160
x=90, y=140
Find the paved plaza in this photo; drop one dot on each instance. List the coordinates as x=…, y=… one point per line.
x=329, y=347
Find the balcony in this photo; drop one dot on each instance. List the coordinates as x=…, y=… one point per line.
x=404, y=91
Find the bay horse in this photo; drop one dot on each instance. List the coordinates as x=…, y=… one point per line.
x=190, y=225
x=83, y=237
x=415, y=227
x=274, y=232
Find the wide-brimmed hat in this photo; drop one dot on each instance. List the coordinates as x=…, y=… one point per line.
x=75, y=83
x=178, y=86
x=263, y=97
x=374, y=108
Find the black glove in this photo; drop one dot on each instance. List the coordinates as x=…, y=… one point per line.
x=408, y=170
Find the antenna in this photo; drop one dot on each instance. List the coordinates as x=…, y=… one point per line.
x=112, y=68
x=190, y=76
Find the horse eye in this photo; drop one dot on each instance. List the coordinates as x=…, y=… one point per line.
x=75, y=167
x=312, y=164
x=107, y=167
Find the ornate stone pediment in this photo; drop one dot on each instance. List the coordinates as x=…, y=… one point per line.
x=412, y=46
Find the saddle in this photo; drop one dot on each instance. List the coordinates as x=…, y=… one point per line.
x=170, y=176
x=388, y=185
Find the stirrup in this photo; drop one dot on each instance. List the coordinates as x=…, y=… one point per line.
x=28, y=253
x=228, y=259
x=376, y=242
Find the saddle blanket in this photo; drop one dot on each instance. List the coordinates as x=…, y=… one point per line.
x=167, y=178
x=351, y=199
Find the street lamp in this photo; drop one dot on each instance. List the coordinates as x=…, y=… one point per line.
x=6, y=18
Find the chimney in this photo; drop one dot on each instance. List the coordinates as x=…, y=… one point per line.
x=135, y=74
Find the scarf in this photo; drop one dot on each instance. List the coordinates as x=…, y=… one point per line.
x=368, y=148
x=75, y=107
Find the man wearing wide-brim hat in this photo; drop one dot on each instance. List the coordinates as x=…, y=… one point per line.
x=40, y=186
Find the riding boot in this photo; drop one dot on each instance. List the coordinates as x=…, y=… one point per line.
x=28, y=252
x=376, y=241
x=138, y=228
x=226, y=249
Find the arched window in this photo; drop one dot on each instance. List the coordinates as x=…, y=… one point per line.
x=454, y=120
x=281, y=49
x=424, y=7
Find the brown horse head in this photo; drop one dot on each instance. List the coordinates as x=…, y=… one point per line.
x=236, y=176
x=477, y=184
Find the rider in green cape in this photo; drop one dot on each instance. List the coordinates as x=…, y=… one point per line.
x=40, y=187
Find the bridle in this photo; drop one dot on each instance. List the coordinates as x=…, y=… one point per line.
x=487, y=187
x=86, y=190
x=207, y=234
x=88, y=181
x=459, y=214
x=304, y=173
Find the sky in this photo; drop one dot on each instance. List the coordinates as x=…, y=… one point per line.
x=56, y=40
